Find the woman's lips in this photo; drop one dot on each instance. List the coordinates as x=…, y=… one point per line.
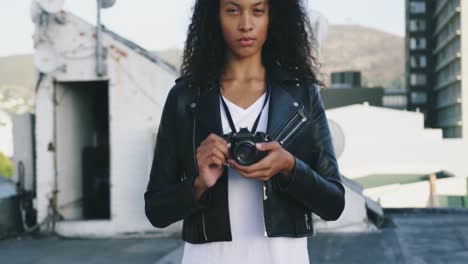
x=246, y=42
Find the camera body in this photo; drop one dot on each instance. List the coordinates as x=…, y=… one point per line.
x=243, y=149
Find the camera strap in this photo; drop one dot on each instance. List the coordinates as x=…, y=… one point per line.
x=228, y=114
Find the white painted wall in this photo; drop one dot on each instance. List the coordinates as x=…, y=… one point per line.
x=383, y=140
x=137, y=91
x=415, y=194
x=74, y=132
x=23, y=148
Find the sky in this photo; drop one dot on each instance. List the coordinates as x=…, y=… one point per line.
x=162, y=24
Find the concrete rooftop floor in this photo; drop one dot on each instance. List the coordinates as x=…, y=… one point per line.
x=409, y=236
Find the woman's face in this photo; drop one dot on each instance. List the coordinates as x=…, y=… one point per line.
x=244, y=24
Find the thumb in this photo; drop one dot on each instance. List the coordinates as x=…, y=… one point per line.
x=267, y=145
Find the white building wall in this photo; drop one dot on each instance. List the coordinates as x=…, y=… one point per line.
x=381, y=140
x=137, y=96
x=23, y=149
x=44, y=137
x=415, y=194
x=137, y=91
x=387, y=141
x=74, y=132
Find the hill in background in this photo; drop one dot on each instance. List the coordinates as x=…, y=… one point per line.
x=17, y=78
x=378, y=55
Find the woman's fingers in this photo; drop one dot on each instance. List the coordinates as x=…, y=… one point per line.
x=267, y=146
x=265, y=163
x=221, y=147
x=214, y=160
x=214, y=137
x=213, y=146
x=219, y=154
x=259, y=174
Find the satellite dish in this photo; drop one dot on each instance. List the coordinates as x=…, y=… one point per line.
x=35, y=12
x=338, y=138
x=45, y=58
x=319, y=25
x=107, y=3
x=51, y=6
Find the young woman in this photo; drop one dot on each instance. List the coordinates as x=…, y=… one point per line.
x=247, y=64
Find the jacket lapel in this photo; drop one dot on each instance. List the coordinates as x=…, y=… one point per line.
x=209, y=114
x=282, y=104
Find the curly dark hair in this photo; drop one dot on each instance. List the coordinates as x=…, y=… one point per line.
x=290, y=43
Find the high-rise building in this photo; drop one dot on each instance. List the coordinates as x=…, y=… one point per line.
x=436, y=39
x=418, y=48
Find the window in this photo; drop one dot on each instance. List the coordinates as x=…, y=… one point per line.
x=418, y=61
x=417, y=7
x=422, y=44
x=422, y=61
x=414, y=61
x=452, y=113
x=418, y=43
x=417, y=25
x=418, y=79
x=394, y=100
x=449, y=95
x=418, y=97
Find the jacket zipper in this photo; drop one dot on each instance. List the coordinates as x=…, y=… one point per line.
x=306, y=218
x=265, y=197
x=196, y=166
x=303, y=119
x=204, y=229
x=285, y=127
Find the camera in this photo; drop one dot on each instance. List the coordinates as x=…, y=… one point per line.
x=243, y=149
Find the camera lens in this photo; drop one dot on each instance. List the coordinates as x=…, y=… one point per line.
x=246, y=153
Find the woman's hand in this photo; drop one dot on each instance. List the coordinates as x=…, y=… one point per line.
x=212, y=154
x=278, y=160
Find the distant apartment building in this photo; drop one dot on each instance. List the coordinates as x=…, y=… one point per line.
x=395, y=98
x=346, y=79
x=435, y=40
x=346, y=89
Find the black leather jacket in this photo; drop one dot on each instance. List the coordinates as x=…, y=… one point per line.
x=189, y=117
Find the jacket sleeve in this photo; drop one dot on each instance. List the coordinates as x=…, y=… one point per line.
x=169, y=197
x=319, y=188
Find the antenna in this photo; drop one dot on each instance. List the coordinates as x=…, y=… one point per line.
x=107, y=3
x=100, y=66
x=35, y=12
x=51, y=6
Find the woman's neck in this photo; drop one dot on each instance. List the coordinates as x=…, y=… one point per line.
x=243, y=69
x=243, y=81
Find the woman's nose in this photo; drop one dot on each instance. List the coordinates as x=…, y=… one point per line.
x=246, y=23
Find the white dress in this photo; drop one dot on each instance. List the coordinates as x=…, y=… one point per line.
x=248, y=245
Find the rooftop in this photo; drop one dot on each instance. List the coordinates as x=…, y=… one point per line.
x=408, y=236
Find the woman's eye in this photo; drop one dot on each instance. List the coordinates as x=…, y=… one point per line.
x=232, y=10
x=258, y=11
